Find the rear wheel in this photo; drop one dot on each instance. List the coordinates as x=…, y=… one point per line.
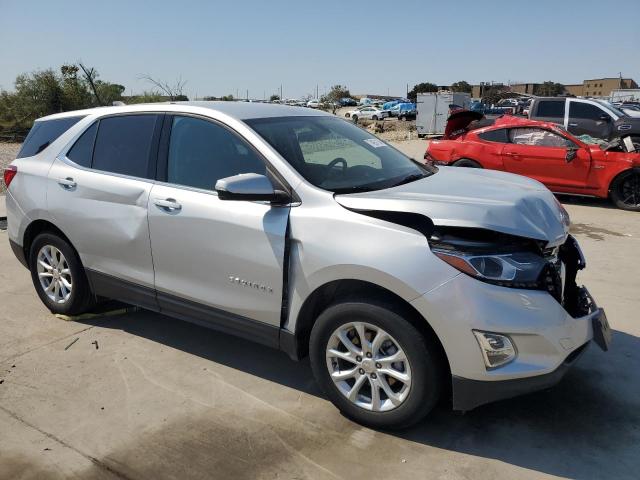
x=58, y=275
x=625, y=191
x=355, y=118
x=465, y=162
x=347, y=115
x=375, y=117
x=374, y=365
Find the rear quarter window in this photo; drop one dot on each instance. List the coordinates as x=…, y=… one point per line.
x=499, y=136
x=44, y=133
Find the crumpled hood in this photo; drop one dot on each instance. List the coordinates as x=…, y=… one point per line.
x=475, y=198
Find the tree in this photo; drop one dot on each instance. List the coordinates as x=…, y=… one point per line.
x=421, y=88
x=461, y=86
x=173, y=91
x=274, y=97
x=549, y=89
x=45, y=92
x=336, y=93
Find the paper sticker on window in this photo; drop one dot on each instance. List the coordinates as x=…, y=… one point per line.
x=375, y=143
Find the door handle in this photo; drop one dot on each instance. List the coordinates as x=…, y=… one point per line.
x=67, y=183
x=573, y=124
x=168, y=204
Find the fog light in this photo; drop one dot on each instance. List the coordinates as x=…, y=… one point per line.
x=497, y=350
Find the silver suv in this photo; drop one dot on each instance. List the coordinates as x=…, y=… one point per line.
x=291, y=227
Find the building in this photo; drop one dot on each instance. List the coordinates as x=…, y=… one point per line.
x=602, y=87
x=595, y=87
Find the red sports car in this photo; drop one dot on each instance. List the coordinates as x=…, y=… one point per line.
x=542, y=151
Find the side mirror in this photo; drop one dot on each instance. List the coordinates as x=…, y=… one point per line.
x=572, y=153
x=249, y=187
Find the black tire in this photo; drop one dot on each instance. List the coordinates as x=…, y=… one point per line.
x=465, y=162
x=625, y=191
x=422, y=353
x=374, y=117
x=354, y=118
x=347, y=115
x=81, y=298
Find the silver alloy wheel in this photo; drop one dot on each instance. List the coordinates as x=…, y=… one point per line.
x=54, y=274
x=368, y=366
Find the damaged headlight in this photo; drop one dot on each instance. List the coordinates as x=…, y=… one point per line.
x=517, y=269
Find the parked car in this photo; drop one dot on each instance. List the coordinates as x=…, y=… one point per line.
x=545, y=152
x=315, y=103
x=298, y=230
x=403, y=111
x=348, y=102
x=368, y=111
x=581, y=116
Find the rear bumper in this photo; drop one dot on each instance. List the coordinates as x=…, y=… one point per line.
x=469, y=394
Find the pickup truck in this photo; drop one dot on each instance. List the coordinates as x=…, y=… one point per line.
x=580, y=116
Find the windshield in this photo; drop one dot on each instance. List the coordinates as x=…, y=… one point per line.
x=609, y=106
x=336, y=155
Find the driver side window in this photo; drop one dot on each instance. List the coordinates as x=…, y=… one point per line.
x=538, y=137
x=202, y=152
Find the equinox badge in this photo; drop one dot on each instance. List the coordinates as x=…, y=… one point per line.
x=246, y=283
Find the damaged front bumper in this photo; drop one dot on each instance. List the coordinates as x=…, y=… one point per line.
x=549, y=332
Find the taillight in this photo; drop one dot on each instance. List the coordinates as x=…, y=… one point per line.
x=9, y=173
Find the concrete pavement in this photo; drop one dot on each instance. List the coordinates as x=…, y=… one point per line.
x=160, y=398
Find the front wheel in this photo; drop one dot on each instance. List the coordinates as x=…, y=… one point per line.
x=465, y=162
x=374, y=365
x=375, y=117
x=58, y=276
x=625, y=191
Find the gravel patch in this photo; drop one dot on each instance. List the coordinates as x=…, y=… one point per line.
x=8, y=152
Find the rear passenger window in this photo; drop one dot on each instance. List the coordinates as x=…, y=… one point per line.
x=499, y=135
x=44, y=133
x=82, y=150
x=585, y=111
x=202, y=152
x=551, y=109
x=123, y=145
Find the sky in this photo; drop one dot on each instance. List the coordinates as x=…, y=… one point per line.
x=374, y=47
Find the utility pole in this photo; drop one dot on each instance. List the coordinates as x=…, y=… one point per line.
x=281, y=98
x=247, y=94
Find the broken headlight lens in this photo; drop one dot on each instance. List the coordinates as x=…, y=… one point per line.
x=517, y=269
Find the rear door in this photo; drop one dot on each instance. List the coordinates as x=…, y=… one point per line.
x=97, y=194
x=542, y=154
x=213, y=258
x=587, y=118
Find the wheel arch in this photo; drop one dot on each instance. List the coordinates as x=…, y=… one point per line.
x=37, y=227
x=350, y=289
x=618, y=175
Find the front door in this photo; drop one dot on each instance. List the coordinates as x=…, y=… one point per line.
x=588, y=119
x=542, y=154
x=212, y=257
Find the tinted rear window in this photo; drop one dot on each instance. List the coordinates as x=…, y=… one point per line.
x=551, y=109
x=123, y=145
x=499, y=135
x=44, y=133
x=82, y=150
